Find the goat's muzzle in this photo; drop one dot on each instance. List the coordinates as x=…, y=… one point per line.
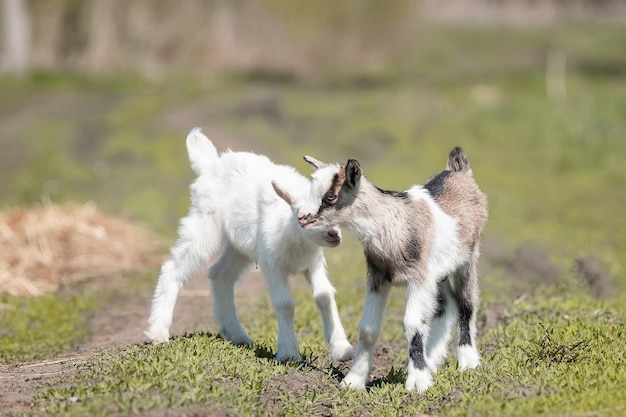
x=333, y=237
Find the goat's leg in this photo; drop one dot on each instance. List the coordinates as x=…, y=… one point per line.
x=284, y=308
x=421, y=303
x=199, y=239
x=369, y=329
x=441, y=326
x=467, y=294
x=324, y=295
x=224, y=274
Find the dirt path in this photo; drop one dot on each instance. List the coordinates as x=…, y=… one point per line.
x=116, y=326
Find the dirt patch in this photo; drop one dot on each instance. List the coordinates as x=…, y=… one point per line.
x=491, y=317
x=20, y=383
x=595, y=275
x=295, y=385
x=525, y=268
x=382, y=372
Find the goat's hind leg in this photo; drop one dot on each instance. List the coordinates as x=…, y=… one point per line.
x=199, y=239
x=224, y=274
x=466, y=296
x=441, y=327
x=324, y=295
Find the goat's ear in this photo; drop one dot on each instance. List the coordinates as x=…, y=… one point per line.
x=353, y=173
x=282, y=193
x=316, y=163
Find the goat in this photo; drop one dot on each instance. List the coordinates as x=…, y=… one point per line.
x=238, y=202
x=425, y=238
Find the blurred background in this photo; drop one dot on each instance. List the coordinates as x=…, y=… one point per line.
x=97, y=96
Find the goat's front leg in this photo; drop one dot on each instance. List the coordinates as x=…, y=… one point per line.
x=284, y=308
x=324, y=295
x=223, y=274
x=420, y=306
x=369, y=329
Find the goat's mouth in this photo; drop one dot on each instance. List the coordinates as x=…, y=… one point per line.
x=332, y=237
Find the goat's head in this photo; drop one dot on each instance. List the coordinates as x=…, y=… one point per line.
x=334, y=188
x=329, y=235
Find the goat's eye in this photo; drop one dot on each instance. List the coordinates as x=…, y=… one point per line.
x=330, y=198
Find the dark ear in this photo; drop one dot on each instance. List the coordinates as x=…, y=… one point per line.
x=353, y=173
x=316, y=163
x=282, y=193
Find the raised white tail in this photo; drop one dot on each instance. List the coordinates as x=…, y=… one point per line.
x=202, y=153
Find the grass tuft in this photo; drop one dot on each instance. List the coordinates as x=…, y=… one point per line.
x=549, y=349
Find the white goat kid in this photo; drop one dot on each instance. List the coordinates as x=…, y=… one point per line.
x=248, y=205
x=426, y=238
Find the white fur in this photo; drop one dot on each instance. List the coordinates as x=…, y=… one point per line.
x=369, y=329
x=467, y=357
x=446, y=254
x=441, y=330
x=235, y=206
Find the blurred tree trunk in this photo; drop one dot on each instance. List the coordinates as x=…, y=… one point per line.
x=16, y=33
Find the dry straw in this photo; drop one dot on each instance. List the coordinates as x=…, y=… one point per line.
x=44, y=248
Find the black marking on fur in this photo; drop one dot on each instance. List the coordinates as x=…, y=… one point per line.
x=331, y=190
x=441, y=303
x=398, y=194
x=416, y=351
x=413, y=250
x=353, y=173
x=436, y=185
x=457, y=161
x=465, y=315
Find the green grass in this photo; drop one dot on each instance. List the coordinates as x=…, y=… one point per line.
x=556, y=355
x=553, y=171
x=41, y=327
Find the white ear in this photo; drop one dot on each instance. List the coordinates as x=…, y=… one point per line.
x=282, y=193
x=316, y=163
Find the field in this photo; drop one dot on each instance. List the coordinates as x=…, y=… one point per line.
x=548, y=149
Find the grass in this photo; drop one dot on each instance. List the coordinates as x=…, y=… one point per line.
x=553, y=171
x=554, y=355
x=41, y=327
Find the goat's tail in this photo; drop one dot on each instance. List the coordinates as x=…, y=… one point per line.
x=457, y=161
x=202, y=153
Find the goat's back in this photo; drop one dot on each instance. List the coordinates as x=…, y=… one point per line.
x=244, y=174
x=238, y=193
x=459, y=196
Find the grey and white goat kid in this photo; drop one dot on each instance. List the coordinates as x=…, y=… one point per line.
x=425, y=238
x=247, y=205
